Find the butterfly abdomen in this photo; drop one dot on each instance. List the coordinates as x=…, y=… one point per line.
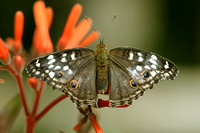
x=101, y=68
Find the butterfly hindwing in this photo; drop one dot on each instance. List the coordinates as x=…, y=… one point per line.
x=59, y=68
x=85, y=93
x=121, y=92
x=143, y=68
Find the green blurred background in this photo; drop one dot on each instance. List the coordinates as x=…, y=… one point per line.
x=167, y=27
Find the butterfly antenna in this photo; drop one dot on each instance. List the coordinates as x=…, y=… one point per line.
x=86, y=17
x=109, y=27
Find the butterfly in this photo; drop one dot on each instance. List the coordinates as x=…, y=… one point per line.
x=82, y=73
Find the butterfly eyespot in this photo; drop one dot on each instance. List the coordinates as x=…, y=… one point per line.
x=132, y=83
x=145, y=73
x=60, y=74
x=73, y=84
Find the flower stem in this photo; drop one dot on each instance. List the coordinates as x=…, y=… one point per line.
x=48, y=107
x=37, y=98
x=21, y=88
x=30, y=124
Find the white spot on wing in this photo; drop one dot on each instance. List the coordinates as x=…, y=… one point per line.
x=50, y=57
x=42, y=75
x=65, y=54
x=130, y=55
x=153, y=73
x=53, y=83
x=166, y=75
x=37, y=72
x=70, y=72
x=153, y=61
x=65, y=68
x=170, y=72
x=63, y=60
x=38, y=64
x=146, y=86
x=47, y=71
x=51, y=74
x=55, y=79
x=51, y=61
x=154, y=57
x=139, y=68
x=139, y=54
x=154, y=66
x=166, y=65
x=147, y=67
x=140, y=59
x=58, y=86
x=51, y=66
x=57, y=67
x=73, y=56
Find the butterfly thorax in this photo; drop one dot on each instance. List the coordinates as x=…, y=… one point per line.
x=101, y=67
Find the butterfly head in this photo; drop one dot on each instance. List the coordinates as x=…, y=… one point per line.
x=101, y=45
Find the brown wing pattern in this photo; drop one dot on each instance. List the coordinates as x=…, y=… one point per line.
x=73, y=64
x=144, y=68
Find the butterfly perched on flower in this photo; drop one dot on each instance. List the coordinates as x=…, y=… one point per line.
x=82, y=73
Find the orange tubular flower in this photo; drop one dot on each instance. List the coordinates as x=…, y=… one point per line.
x=49, y=12
x=42, y=43
x=18, y=30
x=4, y=53
x=89, y=39
x=74, y=36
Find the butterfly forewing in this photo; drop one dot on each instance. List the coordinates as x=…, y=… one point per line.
x=59, y=68
x=144, y=68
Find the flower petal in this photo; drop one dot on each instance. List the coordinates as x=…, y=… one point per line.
x=4, y=53
x=18, y=30
x=40, y=17
x=69, y=26
x=79, y=32
x=90, y=39
x=49, y=13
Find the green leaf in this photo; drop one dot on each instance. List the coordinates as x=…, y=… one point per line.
x=9, y=114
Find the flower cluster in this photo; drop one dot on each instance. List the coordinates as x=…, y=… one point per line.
x=13, y=56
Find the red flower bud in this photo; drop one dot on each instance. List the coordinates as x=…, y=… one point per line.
x=1, y=81
x=4, y=53
x=18, y=63
x=33, y=82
